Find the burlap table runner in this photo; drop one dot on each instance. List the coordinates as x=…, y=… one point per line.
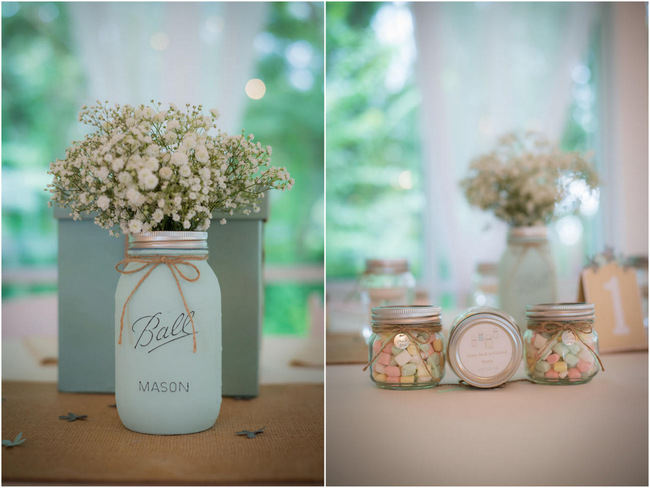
x=346, y=349
x=99, y=450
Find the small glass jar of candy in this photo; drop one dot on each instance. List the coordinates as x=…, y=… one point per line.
x=561, y=345
x=407, y=347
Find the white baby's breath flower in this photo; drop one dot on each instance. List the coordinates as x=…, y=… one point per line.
x=201, y=154
x=141, y=146
x=165, y=172
x=103, y=202
x=185, y=171
x=222, y=221
x=179, y=158
x=117, y=164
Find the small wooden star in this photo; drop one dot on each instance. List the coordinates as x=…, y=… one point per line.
x=249, y=434
x=71, y=417
x=16, y=442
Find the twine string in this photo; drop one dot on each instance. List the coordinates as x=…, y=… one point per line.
x=173, y=263
x=408, y=330
x=577, y=327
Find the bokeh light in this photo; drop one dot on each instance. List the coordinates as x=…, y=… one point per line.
x=255, y=88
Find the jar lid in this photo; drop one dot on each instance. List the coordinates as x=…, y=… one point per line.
x=532, y=233
x=386, y=266
x=485, y=347
x=169, y=240
x=405, y=314
x=561, y=311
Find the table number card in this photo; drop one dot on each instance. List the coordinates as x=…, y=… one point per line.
x=619, y=317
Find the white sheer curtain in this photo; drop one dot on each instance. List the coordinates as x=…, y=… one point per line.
x=181, y=52
x=485, y=69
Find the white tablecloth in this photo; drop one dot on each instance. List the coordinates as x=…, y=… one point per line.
x=520, y=434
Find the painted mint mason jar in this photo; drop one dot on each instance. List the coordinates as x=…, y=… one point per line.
x=168, y=335
x=561, y=343
x=526, y=272
x=406, y=347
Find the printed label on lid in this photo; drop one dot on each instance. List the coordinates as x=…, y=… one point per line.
x=485, y=350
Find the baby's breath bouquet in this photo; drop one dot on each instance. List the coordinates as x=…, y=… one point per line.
x=524, y=179
x=146, y=168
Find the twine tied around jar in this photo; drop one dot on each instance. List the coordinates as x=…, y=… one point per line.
x=411, y=332
x=154, y=261
x=577, y=327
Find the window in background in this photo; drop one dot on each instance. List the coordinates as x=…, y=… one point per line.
x=42, y=86
x=374, y=183
x=290, y=65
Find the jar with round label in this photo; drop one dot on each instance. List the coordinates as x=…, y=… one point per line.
x=561, y=344
x=485, y=347
x=406, y=347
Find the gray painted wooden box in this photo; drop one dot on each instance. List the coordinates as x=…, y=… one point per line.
x=87, y=282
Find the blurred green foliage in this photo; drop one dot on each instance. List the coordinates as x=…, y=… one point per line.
x=374, y=188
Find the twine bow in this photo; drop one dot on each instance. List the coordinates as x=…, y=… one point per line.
x=172, y=263
x=407, y=330
x=558, y=328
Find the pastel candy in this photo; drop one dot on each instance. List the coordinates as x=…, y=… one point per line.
x=403, y=357
x=552, y=374
x=412, y=349
x=423, y=379
x=437, y=345
x=575, y=348
x=436, y=372
x=542, y=367
x=424, y=346
x=546, y=354
x=379, y=377
x=396, y=351
x=422, y=371
x=379, y=368
x=388, y=347
x=553, y=358
x=407, y=379
x=571, y=360
x=392, y=379
x=574, y=373
x=434, y=359
x=384, y=359
x=393, y=371
x=560, y=349
x=539, y=341
x=376, y=347
x=392, y=361
x=560, y=366
x=583, y=366
x=586, y=356
x=408, y=369
x=563, y=374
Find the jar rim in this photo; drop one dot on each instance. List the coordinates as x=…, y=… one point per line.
x=561, y=311
x=386, y=266
x=405, y=314
x=169, y=240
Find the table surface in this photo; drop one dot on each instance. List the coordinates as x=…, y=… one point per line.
x=100, y=450
x=519, y=434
